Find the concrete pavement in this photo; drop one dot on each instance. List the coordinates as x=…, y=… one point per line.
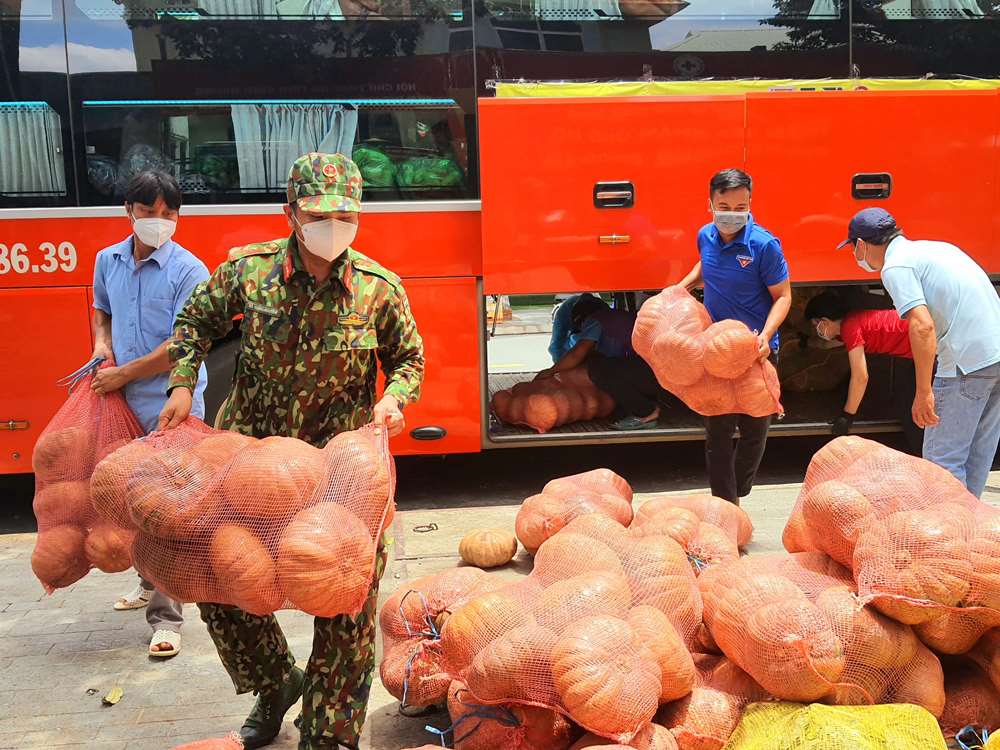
x=60, y=654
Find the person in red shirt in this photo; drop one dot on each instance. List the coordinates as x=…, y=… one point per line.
x=875, y=332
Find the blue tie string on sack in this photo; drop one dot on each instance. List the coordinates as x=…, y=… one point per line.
x=972, y=738
x=499, y=714
x=431, y=633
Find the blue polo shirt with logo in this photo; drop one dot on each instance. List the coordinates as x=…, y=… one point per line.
x=737, y=274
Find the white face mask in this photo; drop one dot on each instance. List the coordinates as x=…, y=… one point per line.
x=863, y=263
x=824, y=333
x=730, y=222
x=153, y=232
x=329, y=238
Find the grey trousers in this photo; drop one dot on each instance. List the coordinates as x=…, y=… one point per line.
x=162, y=612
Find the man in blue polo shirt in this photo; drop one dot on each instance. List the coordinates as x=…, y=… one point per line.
x=745, y=277
x=954, y=314
x=140, y=285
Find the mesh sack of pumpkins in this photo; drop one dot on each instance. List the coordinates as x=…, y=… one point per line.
x=72, y=536
x=262, y=524
x=548, y=403
x=795, y=624
x=598, y=632
x=714, y=368
x=922, y=549
x=600, y=491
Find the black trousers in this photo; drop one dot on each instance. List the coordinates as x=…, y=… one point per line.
x=733, y=461
x=904, y=388
x=629, y=381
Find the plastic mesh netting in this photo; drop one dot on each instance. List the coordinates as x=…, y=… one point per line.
x=261, y=524
x=712, y=367
x=922, y=549
x=72, y=538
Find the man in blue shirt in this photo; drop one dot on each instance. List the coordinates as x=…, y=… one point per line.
x=563, y=339
x=954, y=314
x=140, y=285
x=745, y=277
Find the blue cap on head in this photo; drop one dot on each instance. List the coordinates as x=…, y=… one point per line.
x=868, y=224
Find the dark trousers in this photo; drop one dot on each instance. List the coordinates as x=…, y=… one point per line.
x=733, y=461
x=904, y=388
x=629, y=381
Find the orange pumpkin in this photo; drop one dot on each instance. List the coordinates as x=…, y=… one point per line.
x=984, y=583
x=957, y=631
x=568, y=554
x=181, y=570
x=539, y=517
x=63, y=455
x=653, y=632
x=516, y=666
x=325, y=561
x=218, y=450
x=605, y=686
x=921, y=682
x=274, y=479
x=411, y=671
x=58, y=559
x=679, y=524
x=109, y=548
x=660, y=575
x=173, y=495
x=595, y=593
x=871, y=640
x=987, y=655
x=243, y=564
x=728, y=516
x=603, y=481
x=652, y=737
x=711, y=396
x=677, y=359
x=833, y=459
x=515, y=726
x=838, y=513
x=500, y=405
x=758, y=391
x=476, y=624
x=601, y=528
x=911, y=561
x=730, y=349
x=970, y=698
x=360, y=475
x=109, y=489
x=63, y=502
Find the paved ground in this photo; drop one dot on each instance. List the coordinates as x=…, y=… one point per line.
x=59, y=654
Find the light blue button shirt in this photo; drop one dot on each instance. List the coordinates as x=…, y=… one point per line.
x=143, y=303
x=957, y=292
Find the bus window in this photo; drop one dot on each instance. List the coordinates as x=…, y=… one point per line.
x=225, y=94
x=938, y=37
x=34, y=112
x=674, y=39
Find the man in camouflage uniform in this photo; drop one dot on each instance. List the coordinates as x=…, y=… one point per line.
x=316, y=315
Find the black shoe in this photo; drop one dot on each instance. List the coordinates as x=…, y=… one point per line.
x=264, y=722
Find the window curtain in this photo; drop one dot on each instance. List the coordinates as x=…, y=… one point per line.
x=31, y=159
x=269, y=137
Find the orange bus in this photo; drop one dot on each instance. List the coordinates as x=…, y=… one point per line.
x=481, y=178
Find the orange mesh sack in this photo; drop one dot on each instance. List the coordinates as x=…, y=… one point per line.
x=476, y=726
x=920, y=546
x=987, y=655
x=729, y=517
x=711, y=367
x=706, y=718
x=970, y=699
x=553, y=402
x=595, y=633
x=653, y=737
x=71, y=537
x=232, y=742
x=411, y=620
x=561, y=500
x=260, y=524
x=796, y=625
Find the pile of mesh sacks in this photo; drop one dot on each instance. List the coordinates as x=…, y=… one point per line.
x=644, y=626
x=548, y=403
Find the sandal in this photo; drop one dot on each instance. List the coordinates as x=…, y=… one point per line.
x=635, y=423
x=135, y=599
x=171, y=638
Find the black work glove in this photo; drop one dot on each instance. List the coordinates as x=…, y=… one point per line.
x=842, y=424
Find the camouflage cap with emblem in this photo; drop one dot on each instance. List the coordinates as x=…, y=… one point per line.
x=323, y=183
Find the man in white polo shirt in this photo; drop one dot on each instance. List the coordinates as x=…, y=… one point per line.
x=954, y=313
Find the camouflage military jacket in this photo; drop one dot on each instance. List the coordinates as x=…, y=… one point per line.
x=307, y=361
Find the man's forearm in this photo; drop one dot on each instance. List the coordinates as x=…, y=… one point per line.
x=779, y=311
x=924, y=346
x=693, y=279
x=154, y=363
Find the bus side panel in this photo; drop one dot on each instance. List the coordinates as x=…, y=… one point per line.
x=803, y=151
x=61, y=251
x=46, y=335
x=542, y=231
x=446, y=311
